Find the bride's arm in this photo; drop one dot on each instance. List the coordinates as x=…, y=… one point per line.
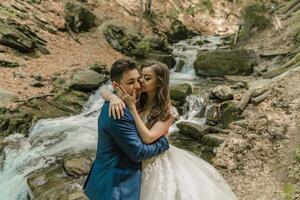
x=116, y=105
x=159, y=129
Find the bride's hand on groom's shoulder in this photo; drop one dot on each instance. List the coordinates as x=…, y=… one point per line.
x=116, y=107
x=129, y=100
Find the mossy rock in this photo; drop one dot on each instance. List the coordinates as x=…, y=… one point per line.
x=224, y=62
x=20, y=37
x=8, y=64
x=151, y=45
x=229, y=112
x=177, y=32
x=121, y=39
x=254, y=16
x=180, y=92
x=78, y=17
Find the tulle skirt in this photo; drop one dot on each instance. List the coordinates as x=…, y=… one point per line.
x=180, y=175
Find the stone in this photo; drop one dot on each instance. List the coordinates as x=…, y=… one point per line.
x=193, y=129
x=179, y=65
x=177, y=31
x=77, y=166
x=7, y=98
x=213, y=140
x=225, y=62
x=78, y=17
x=229, y=112
x=121, y=39
x=86, y=80
x=181, y=91
x=99, y=67
x=21, y=37
x=254, y=17
x=222, y=92
x=8, y=64
x=35, y=83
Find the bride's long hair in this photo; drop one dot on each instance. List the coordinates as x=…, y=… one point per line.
x=161, y=106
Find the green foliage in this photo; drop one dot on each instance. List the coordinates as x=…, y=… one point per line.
x=289, y=191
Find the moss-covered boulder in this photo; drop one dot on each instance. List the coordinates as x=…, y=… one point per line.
x=180, y=92
x=255, y=18
x=78, y=17
x=6, y=98
x=86, y=80
x=20, y=37
x=225, y=62
x=193, y=130
x=65, y=102
x=121, y=39
x=178, y=31
x=229, y=112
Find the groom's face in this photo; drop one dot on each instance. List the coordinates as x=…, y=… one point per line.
x=130, y=81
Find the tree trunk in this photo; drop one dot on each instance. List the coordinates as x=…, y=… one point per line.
x=148, y=8
x=141, y=15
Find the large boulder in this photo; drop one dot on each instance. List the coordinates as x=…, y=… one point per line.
x=78, y=17
x=121, y=39
x=20, y=37
x=86, y=80
x=180, y=92
x=177, y=32
x=254, y=17
x=193, y=130
x=222, y=92
x=6, y=98
x=221, y=62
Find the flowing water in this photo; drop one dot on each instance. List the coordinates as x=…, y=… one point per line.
x=52, y=137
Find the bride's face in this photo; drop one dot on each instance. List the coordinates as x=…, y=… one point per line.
x=148, y=80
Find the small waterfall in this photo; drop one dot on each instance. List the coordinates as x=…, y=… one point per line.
x=47, y=139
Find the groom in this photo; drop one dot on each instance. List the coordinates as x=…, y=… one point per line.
x=116, y=171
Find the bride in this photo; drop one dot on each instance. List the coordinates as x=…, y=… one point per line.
x=175, y=174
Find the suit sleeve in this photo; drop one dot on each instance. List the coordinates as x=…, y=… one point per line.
x=125, y=134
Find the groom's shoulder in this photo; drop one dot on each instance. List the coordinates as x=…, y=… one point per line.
x=105, y=112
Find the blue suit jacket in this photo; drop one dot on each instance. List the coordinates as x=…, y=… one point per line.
x=116, y=171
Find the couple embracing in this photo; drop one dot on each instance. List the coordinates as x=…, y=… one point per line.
x=134, y=159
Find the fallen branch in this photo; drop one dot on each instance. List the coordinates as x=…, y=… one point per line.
x=36, y=97
x=72, y=34
x=236, y=37
x=245, y=99
x=291, y=10
x=260, y=98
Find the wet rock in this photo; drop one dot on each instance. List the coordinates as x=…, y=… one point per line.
x=180, y=92
x=222, y=92
x=224, y=62
x=254, y=17
x=177, y=32
x=193, y=130
x=213, y=140
x=229, y=112
x=53, y=183
x=121, y=39
x=86, y=80
x=78, y=17
x=212, y=114
x=179, y=66
x=20, y=37
x=9, y=64
x=7, y=97
x=77, y=166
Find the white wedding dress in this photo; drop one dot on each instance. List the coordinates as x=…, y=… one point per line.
x=178, y=174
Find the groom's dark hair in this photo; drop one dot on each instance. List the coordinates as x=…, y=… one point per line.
x=119, y=67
